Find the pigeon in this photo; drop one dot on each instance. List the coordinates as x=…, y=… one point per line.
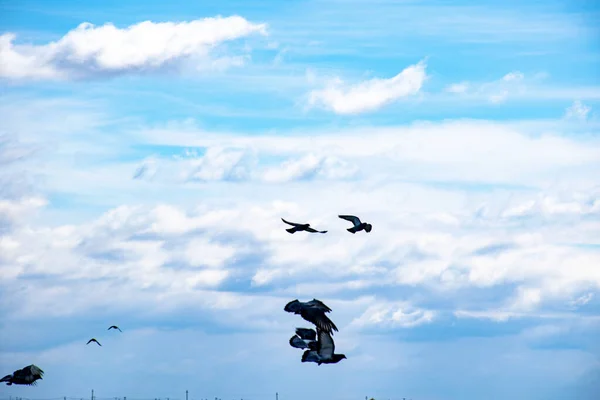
x=26, y=376
x=324, y=353
x=94, y=340
x=358, y=225
x=314, y=312
x=304, y=339
x=300, y=227
x=115, y=327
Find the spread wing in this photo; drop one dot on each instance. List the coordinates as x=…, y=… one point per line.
x=298, y=343
x=318, y=304
x=309, y=229
x=291, y=223
x=293, y=306
x=115, y=327
x=306, y=334
x=351, y=218
x=310, y=356
x=326, y=346
x=318, y=317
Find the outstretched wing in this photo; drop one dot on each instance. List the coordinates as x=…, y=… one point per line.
x=290, y=223
x=306, y=334
x=298, y=343
x=355, y=220
x=310, y=356
x=318, y=304
x=293, y=306
x=325, y=345
x=318, y=318
x=309, y=229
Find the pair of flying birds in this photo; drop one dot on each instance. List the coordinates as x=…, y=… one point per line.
x=109, y=328
x=358, y=225
x=319, y=344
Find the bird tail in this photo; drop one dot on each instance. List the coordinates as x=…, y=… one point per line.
x=292, y=230
x=6, y=378
x=354, y=229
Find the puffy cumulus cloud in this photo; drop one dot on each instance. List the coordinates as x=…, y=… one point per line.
x=311, y=166
x=370, y=95
x=90, y=50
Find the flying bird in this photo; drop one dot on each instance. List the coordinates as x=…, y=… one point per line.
x=324, y=353
x=300, y=227
x=314, y=312
x=304, y=339
x=358, y=224
x=26, y=376
x=115, y=327
x=94, y=340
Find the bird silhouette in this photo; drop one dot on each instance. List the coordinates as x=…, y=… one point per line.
x=358, y=224
x=324, y=353
x=300, y=227
x=314, y=312
x=114, y=327
x=94, y=340
x=25, y=376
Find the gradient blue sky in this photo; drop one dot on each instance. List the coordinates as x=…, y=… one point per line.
x=147, y=156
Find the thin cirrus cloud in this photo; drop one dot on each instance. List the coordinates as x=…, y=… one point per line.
x=90, y=50
x=370, y=95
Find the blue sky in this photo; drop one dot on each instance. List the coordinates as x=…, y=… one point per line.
x=149, y=149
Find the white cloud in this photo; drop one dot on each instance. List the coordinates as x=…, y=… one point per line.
x=496, y=92
x=309, y=167
x=369, y=95
x=395, y=315
x=578, y=110
x=145, y=46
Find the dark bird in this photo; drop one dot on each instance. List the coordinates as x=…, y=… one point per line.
x=304, y=339
x=26, y=376
x=324, y=353
x=314, y=312
x=300, y=227
x=115, y=327
x=358, y=225
x=93, y=340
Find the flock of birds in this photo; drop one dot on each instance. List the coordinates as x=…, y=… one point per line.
x=318, y=345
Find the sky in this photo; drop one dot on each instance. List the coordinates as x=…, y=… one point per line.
x=149, y=149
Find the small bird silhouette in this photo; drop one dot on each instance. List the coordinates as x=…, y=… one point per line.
x=25, y=376
x=300, y=227
x=358, y=225
x=94, y=340
x=114, y=327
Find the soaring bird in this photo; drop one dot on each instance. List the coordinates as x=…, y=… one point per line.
x=314, y=312
x=304, y=339
x=324, y=353
x=358, y=225
x=94, y=340
x=26, y=376
x=115, y=327
x=300, y=227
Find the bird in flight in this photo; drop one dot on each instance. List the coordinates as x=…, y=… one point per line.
x=358, y=224
x=304, y=339
x=324, y=353
x=300, y=227
x=314, y=312
x=94, y=340
x=26, y=376
x=115, y=327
